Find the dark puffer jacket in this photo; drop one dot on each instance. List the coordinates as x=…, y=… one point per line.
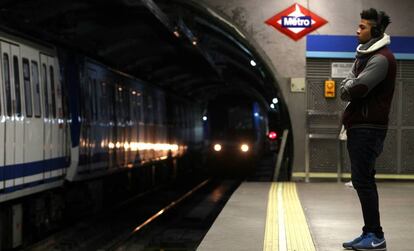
x=369, y=87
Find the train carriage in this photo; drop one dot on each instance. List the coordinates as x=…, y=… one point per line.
x=120, y=121
x=32, y=127
x=69, y=124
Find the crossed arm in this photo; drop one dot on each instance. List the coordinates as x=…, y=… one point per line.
x=375, y=71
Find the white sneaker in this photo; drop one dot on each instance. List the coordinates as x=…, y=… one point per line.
x=349, y=184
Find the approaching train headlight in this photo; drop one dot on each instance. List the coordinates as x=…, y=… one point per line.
x=217, y=147
x=244, y=148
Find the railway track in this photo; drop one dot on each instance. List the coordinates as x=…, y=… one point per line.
x=169, y=217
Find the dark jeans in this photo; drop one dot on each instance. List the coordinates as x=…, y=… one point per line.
x=364, y=146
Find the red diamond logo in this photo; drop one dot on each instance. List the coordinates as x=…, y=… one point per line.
x=296, y=21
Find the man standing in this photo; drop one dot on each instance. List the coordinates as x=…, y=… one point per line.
x=369, y=89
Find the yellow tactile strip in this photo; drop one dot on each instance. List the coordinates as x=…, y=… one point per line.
x=271, y=240
x=348, y=175
x=286, y=225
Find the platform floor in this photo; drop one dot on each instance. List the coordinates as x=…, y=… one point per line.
x=331, y=214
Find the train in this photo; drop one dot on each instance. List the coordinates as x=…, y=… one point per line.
x=70, y=121
x=235, y=131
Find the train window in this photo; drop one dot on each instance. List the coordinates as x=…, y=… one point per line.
x=17, y=86
x=155, y=111
x=137, y=109
x=27, y=87
x=6, y=72
x=59, y=96
x=150, y=110
x=141, y=110
x=133, y=106
x=161, y=109
x=36, y=90
x=103, y=101
x=158, y=112
x=185, y=116
x=127, y=105
x=94, y=92
x=177, y=119
x=139, y=106
x=119, y=101
x=52, y=89
x=87, y=103
x=110, y=103
x=45, y=86
x=177, y=116
x=182, y=116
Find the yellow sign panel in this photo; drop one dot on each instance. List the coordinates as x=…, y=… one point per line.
x=329, y=89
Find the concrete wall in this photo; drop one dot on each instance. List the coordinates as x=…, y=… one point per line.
x=287, y=57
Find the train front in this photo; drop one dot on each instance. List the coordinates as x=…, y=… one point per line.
x=235, y=131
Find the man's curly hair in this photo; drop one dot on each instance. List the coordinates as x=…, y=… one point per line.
x=378, y=19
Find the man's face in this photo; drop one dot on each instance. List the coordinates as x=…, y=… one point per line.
x=364, y=31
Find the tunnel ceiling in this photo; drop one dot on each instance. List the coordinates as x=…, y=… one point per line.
x=174, y=44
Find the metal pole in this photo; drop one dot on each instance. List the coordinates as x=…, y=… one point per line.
x=280, y=155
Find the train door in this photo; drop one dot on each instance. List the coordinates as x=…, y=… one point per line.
x=104, y=119
x=56, y=83
x=47, y=108
x=135, y=114
x=9, y=133
x=141, y=128
x=16, y=74
x=145, y=125
x=13, y=126
x=110, y=90
x=128, y=127
x=2, y=133
x=92, y=135
x=150, y=125
x=119, y=121
x=132, y=125
x=56, y=108
x=33, y=121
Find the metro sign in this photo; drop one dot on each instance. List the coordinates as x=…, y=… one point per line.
x=296, y=21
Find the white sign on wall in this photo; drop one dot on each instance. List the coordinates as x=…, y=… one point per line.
x=340, y=69
x=297, y=84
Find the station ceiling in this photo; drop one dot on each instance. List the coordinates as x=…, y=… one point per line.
x=174, y=43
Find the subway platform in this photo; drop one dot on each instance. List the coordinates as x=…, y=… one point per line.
x=300, y=216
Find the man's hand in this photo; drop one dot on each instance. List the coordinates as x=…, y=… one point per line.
x=344, y=89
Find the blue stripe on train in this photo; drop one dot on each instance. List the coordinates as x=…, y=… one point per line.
x=32, y=168
x=31, y=184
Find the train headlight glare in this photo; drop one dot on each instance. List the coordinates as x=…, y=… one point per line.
x=217, y=147
x=244, y=148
